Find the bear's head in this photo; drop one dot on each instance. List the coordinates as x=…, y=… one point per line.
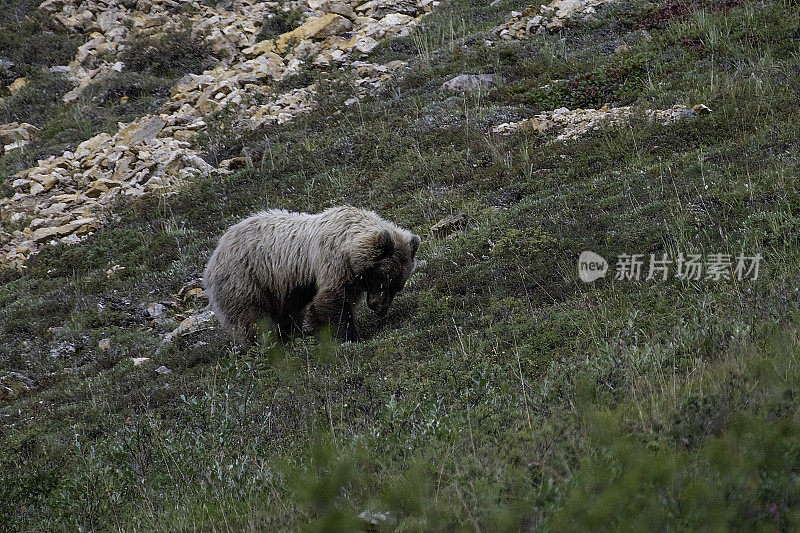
x=391, y=267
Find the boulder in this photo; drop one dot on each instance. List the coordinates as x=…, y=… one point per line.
x=156, y=310
x=12, y=384
x=381, y=8
x=14, y=132
x=470, y=83
x=91, y=146
x=142, y=130
x=449, y=224
x=17, y=86
x=317, y=29
x=191, y=324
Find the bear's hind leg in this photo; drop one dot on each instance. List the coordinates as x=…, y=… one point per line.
x=331, y=308
x=248, y=326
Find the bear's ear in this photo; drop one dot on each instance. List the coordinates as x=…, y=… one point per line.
x=415, y=240
x=381, y=244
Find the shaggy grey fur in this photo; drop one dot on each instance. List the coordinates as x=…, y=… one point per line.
x=306, y=271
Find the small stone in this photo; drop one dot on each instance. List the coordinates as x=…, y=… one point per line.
x=189, y=325
x=701, y=109
x=12, y=384
x=365, y=44
x=397, y=24
x=72, y=96
x=156, y=310
x=62, y=349
x=14, y=146
x=235, y=163
x=163, y=370
x=197, y=292
x=48, y=182
x=261, y=47
x=96, y=189
x=17, y=85
x=54, y=209
x=81, y=226
x=113, y=270
x=104, y=344
x=185, y=135
x=448, y=225
x=37, y=223
x=138, y=361
x=342, y=8
x=92, y=146
x=373, y=519
x=194, y=323
x=470, y=83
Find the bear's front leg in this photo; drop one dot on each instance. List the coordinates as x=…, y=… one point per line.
x=331, y=308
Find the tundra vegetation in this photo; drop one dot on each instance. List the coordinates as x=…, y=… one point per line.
x=500, y=393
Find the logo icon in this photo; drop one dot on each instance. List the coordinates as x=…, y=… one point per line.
x=591, y=266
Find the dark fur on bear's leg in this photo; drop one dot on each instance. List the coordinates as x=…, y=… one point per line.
x=331, y=308
x=286, y=328
x=244, y=330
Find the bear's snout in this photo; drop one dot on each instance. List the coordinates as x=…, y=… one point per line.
x=378, y=305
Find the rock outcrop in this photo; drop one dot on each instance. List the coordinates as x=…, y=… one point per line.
x=63, y=197
x=571, y=124
x=15, y=135
x=550, y=18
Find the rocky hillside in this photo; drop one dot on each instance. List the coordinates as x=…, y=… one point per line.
x=505, y=390
x=61, y=199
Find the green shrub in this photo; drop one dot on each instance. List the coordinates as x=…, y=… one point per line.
x=135, y=87
x=38, y=101
x=31, y=41
x=735, y=465
x=280, y=23
x=169, y=54
x=620, y=81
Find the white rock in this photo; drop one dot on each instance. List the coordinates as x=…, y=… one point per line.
x=470, y=82
x=156, y=310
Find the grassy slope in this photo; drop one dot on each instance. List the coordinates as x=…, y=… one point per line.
x=501, y=392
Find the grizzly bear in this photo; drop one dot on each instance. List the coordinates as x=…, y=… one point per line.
x=305, y=271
